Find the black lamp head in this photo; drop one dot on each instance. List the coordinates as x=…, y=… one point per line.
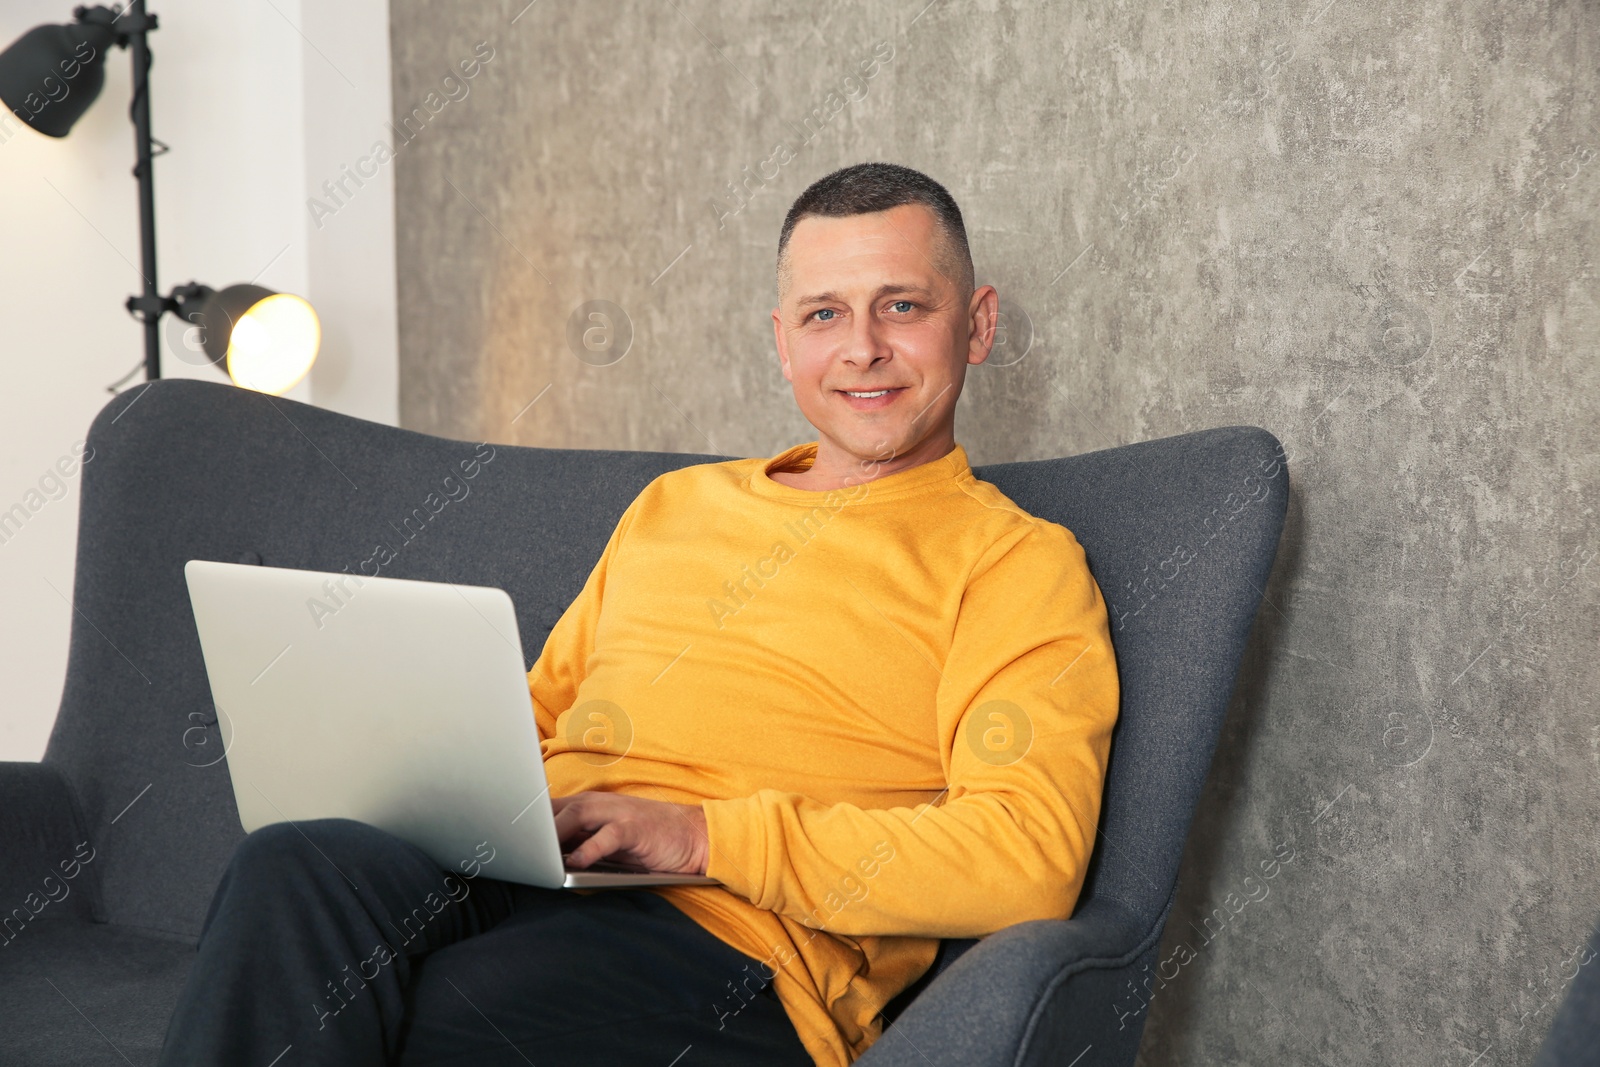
x=51, y=74
x=216, y=313
x=264, y=340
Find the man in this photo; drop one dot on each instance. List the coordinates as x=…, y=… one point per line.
x=859, y=687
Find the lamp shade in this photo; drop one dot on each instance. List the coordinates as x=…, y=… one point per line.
x=268, y=339
x=51, y=74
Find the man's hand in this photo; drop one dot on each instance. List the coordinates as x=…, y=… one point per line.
x=654, y=834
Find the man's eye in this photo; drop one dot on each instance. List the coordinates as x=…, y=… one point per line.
x=818, y=315
x=908, y=306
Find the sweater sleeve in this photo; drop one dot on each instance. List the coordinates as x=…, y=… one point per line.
x=564, y=662
x=1025, y=707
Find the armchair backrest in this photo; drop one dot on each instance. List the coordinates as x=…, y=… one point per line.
x=194, y=470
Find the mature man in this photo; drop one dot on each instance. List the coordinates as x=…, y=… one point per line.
x=856, y=685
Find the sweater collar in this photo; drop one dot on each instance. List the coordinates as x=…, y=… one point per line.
x=943, y=472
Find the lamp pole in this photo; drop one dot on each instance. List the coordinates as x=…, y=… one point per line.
x=144, y=171
x=136, y=25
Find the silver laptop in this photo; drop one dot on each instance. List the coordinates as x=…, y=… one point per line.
x=398, y=703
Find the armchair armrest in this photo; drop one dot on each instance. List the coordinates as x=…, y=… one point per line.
x=46, y=862
x=1042, y=992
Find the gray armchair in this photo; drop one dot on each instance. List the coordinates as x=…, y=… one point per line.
x=111, y=847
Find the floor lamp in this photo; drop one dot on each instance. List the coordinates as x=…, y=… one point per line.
x=49, y=77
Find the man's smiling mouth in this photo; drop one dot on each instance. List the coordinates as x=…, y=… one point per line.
x=871, y=399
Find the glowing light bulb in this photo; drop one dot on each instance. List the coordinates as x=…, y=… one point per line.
x=274, y=344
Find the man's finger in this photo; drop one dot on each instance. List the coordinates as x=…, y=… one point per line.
x=605, y=841
x=579, y=814
x=559, y=803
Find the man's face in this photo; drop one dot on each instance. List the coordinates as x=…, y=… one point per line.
x=866, y=309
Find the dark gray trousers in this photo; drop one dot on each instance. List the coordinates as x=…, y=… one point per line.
x=332, y=942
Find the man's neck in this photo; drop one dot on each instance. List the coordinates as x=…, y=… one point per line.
x=836, y=468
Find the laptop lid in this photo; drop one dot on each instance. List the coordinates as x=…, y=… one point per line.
x=399, y=703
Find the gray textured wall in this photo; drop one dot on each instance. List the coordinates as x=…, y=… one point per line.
x=1368, y=227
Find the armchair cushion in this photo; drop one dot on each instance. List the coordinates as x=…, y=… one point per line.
x=88, y=994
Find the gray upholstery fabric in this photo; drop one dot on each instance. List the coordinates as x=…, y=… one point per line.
x=1038, y=992
x=1180, y=533
x=43, y=873
x=88, y=994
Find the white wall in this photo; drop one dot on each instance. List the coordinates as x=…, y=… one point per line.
x=247, y=94
x=351, y=252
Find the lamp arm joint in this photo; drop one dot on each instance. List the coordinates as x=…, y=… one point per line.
x=150, y=307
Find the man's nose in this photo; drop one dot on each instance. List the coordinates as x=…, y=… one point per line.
x=867, y=345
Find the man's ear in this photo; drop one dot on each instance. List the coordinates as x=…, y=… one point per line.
x=983, y=316
x=783, y=346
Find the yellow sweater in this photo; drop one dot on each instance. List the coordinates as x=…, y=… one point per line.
x=894, y=700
